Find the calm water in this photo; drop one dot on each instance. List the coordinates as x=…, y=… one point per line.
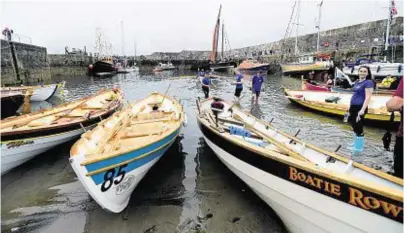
x=189, y=189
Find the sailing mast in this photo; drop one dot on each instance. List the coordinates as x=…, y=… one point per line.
x=134, y=44
x=297, y=27
x=213, y=55
x=123, y=50
x=318, y=25
x=222, y=40
x=392, y=11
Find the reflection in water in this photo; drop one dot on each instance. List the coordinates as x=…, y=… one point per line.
x=256, y=111
x=163, y=183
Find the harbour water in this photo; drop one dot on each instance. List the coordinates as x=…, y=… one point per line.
x=189, y=189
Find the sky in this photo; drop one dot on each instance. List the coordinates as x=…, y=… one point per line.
x=175, y=25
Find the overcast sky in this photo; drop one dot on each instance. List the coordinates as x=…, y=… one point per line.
x=172, y=26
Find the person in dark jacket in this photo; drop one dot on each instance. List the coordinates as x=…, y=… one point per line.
x=396, y=104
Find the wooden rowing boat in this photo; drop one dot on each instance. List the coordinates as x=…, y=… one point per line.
x=322, y=87
x=316, y=100
x=40, y=93
x=310, y=189
x=26, y=136
x=111, y=159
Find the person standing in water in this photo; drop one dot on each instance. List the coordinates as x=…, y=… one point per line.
x=206, y=82
x=257, y=81
x=239, y=86
x=396, y=104
x=363, y=89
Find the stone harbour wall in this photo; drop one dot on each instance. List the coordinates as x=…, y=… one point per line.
x=23, y=63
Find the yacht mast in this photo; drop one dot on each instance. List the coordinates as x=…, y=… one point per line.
x=123, y=51
x=222, y=40
x=297, y=26
x=318, y=25
x=389, y=17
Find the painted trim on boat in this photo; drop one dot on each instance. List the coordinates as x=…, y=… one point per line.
x=293, y=170
x=329, y=153
x=340, y=112
x=131, y=160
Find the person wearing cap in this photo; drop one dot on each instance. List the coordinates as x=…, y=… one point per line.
x=257, y=81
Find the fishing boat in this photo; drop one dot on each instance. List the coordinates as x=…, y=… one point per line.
x=304, y=65
x=163, y=66
x=10, y=103
x=216, y=64
x=310, y=189
x=104, y=66
x=252, y=65
x=113, y=158
x=40, y=93
x=338, y=103
x=26, y=136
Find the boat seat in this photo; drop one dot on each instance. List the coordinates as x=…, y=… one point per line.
x=152, y=115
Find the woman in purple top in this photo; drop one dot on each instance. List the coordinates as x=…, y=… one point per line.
x=363, y=89
x=257, y=81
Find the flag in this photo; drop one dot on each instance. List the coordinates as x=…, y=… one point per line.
x=321, y=3
x=393, y=8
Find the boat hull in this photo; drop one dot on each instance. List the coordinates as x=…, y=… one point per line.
x=301, y=207
x=222, y=66
x=103, y=67
x=332, y=109
x=311, y=87
x=264, y=68
x=44, y=93
x=378, y=70
x=114, y=195
x=10, y=105
x=303, y=69
x=17, y=152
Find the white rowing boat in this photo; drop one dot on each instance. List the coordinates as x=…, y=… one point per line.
x=310, y=189
x=113, y=158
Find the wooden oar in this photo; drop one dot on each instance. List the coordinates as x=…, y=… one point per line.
x=22, y=122
x=117, y=132
x=67, y=111
x=282, y=147
x=236, y=102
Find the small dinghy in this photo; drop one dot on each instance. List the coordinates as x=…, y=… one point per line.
x=113, y=158
x=311, y=189
x=338, y=103
x=26, y=136
x=40, y=93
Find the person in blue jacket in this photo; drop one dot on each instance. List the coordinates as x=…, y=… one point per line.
x=206, y=82
x=362, y=92
x=257, y=81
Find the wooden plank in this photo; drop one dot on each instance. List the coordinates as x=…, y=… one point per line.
x=150, y=121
